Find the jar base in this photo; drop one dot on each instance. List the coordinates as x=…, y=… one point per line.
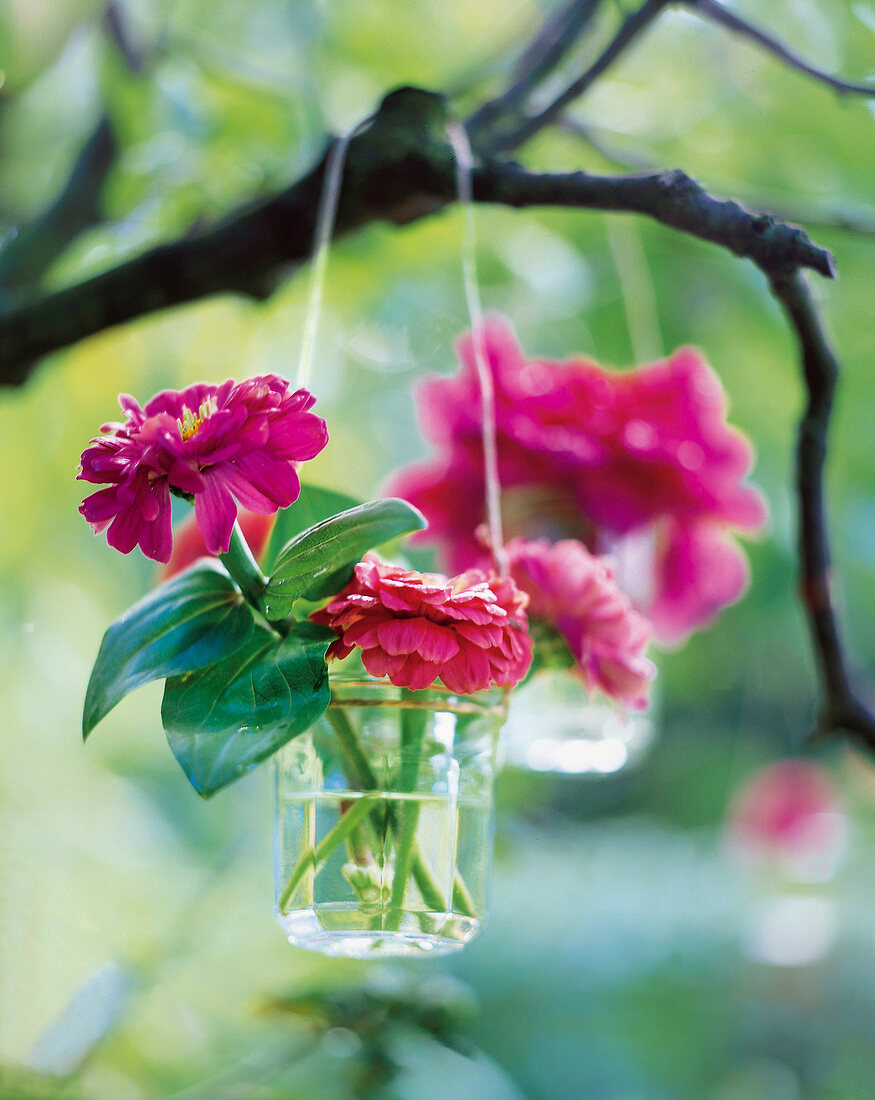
x=345, y=930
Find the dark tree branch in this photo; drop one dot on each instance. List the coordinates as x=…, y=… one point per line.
x=395, y=172
x=392, y=173
x=842, y=709
x=538, y=60
x=36, y=245
x=117, y=32
x=860, y=221
x=668, y=197
x=848, y=221
x=710, y=9
x=631, y=27
x=549, y=47
x=28, y=255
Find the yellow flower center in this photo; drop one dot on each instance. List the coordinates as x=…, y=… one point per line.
x=190, y=422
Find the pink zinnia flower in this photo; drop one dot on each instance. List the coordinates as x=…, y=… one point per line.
x=602, y=456
x=788, y=812
x=216, y=443
x=697, y=571
x=469, y=632
x=577, y=592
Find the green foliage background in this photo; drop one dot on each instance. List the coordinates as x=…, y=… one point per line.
x=138, y=947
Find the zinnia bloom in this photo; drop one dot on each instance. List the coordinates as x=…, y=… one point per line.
x=469, y=632
x=788, y=812
x=577, y=592
x=598, y=456
x=216, y=443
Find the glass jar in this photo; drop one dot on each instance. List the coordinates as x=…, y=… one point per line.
x=384, y=821
x=555, y=725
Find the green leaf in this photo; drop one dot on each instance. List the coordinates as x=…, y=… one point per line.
x=188, y=623
x=312, y=506
x=309, y=565
x=551, y=649
x=223, y=720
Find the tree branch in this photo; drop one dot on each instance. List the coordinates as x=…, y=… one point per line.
x=629, y=30
x=36, y=245
x=541, y=56
x=25, y=259
x=842, y=708
x=392, y=173
x=399, y=169
x=672, y=198
x=860, y=221
x=117, y=32
x=711, y=9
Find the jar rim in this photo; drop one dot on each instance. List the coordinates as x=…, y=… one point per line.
x=362, y=690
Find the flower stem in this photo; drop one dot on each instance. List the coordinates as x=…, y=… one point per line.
x=408, y=815
x=314, y=856
x=243, y=567
x=361, y=773
x=412, y=731
x=462, y=899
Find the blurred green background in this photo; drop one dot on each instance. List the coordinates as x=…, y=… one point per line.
x=138, y=953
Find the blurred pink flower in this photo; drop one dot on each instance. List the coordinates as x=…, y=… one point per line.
x=189, y=545
x=470, y=632
x=698, y=571
x=577, y=592
x=603, y=455
x=216, y=443
x=789, y=812
x=450, y=493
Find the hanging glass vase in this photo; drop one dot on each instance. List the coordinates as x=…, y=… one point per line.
x=555, y=725
x=384, y=821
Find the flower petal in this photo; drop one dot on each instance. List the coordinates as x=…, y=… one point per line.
x=430, y=641
x=215, y=512
x=262, y=483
